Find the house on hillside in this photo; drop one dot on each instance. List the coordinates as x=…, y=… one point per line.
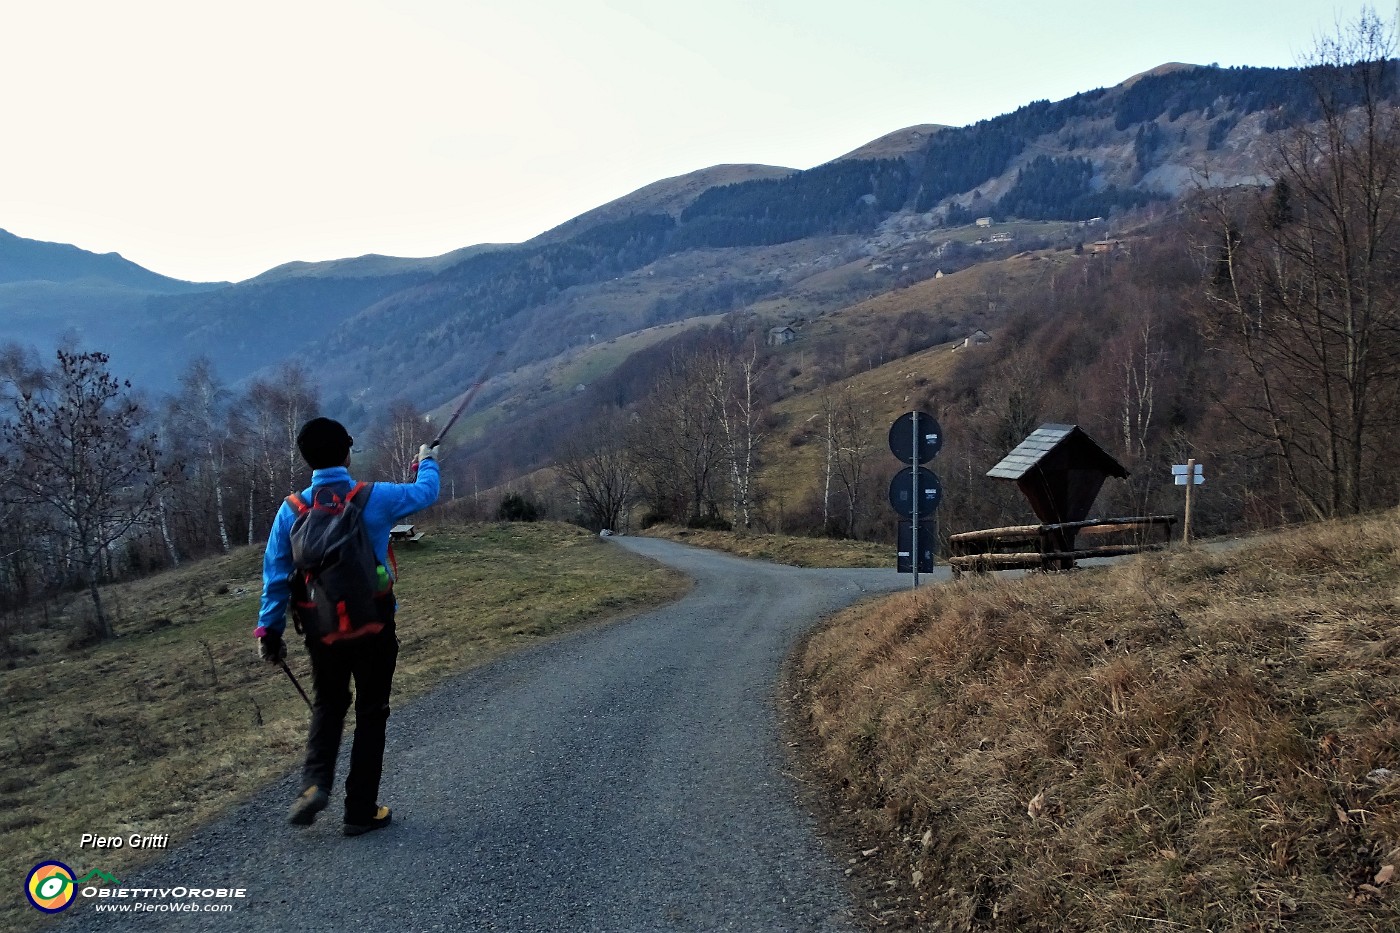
x=778, y=336
x=1000, y=238
x=976, y=338
x=984, y=221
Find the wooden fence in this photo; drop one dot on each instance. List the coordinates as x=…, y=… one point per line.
x=1055, y=547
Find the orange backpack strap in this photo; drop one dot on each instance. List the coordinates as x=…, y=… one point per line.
x=298, y=504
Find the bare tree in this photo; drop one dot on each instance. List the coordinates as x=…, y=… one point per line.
x=86, y=461
x=847, y=438
x=1306, y=277
x=276, y=410
x=828, y=420
x=679, y=440
x=396, y=438
x=199, y=417
x=601, y=471
x=850, y=443
x=1141, y=364
x=735, y=394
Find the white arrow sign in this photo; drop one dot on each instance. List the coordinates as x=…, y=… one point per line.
x=1179, y=474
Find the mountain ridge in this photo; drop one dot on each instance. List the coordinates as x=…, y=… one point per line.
x=27, y=260
x=669, y=250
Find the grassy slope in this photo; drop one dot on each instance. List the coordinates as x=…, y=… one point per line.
x=783, y=549
x=795, y=451
x=627, y=301
x=1185, y=741
x=159, y=729
x=816, y=290
x=792, y=455
x=552, y=380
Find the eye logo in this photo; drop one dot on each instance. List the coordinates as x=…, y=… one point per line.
x=50, y=887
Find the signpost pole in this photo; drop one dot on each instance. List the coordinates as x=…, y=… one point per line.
x=914, y=439
x=1190, y=482
x=914, y=483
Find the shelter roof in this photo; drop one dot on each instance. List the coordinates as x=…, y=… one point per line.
x=1042, y=441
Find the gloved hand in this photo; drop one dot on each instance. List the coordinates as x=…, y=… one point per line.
x=271, y=648
x=427, y=452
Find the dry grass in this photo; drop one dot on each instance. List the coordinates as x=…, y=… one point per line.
x=793, y=550
x=1187, y=741
x=175, y=720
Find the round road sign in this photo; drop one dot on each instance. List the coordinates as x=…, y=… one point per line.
x=902, y=437
x=902, y=491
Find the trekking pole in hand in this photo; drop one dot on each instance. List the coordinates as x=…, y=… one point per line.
x=486, y=372
x=296, y=683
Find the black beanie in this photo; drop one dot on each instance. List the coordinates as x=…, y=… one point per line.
x=324, y=443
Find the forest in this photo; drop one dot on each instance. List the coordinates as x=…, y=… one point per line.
x=1059, y=189
x=99, y=482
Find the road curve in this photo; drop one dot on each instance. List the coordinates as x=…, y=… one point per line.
x=625, y=778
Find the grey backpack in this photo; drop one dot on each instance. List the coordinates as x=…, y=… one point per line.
x=338, y=592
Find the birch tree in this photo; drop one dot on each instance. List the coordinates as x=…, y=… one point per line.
x=735, y=394
x=396, y=439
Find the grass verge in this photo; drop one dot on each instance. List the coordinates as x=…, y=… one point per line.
x=1186, y=741
x=176, y=719
x=794, y=550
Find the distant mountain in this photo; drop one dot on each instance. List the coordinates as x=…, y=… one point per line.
x=362, y=267
x=24, y=260
x=900, y=143
x=53, y=291
x=152, y=325
x=729, y=237
x=667, y=196
x=1096, y=154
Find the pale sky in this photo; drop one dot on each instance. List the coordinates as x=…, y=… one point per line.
x=214, y=141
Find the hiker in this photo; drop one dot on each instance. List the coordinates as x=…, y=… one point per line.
x=347, y=635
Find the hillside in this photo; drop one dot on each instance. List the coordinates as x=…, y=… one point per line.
x=1094, y=154
x=1197, y=740
x=783, y=243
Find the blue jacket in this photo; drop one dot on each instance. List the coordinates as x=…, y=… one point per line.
x=388, y=504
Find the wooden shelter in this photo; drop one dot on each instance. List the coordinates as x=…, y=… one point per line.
x=1060, y=470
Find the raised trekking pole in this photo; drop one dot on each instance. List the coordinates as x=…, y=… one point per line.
x=486, y=372
x=296, y=683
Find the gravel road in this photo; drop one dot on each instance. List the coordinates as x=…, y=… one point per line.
x=626, y=778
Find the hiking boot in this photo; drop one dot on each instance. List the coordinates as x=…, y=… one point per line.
x=304, y=809
x=381, y=818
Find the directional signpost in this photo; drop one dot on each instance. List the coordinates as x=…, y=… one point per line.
x=915, y=493
x=1190, y=475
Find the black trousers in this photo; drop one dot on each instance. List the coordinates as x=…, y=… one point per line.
x=369, y=661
